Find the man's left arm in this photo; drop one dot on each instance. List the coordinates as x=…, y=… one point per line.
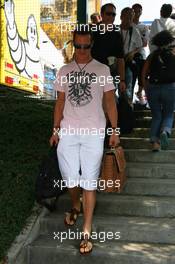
x=111, y=109
x=121, y=71
x=120, y=61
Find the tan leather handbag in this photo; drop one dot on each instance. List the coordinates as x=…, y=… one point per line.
x=112, y=175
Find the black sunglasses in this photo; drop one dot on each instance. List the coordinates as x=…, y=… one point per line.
x=110, y=14
x=79, y=46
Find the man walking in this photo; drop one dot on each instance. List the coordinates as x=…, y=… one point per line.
x=144, y=33
x=132, y=44
x=108, y=43
x=79, y=107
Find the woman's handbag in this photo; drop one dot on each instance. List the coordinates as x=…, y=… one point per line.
x=112, y=176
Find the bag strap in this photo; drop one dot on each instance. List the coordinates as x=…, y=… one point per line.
x=109, y=150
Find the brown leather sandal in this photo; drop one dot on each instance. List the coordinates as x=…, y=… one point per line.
x=84, y=244
x=73, y=216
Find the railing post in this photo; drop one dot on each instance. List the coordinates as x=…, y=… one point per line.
x=82, y=11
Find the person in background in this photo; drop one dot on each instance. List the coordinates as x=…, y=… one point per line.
x=159, y=82
x=132, y=45
x=144, y=32
x=108, y=43
x=165, y=22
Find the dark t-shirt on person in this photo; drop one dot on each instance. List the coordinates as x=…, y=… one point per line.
x=108, y=44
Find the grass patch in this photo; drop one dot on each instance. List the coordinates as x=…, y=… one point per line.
x=24, y=133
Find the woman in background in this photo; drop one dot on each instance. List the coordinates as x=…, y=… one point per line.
x=159, y=82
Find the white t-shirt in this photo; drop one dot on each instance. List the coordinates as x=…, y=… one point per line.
x=135, y=42
x=144, y=32
x=159, y=25
x=84, y=93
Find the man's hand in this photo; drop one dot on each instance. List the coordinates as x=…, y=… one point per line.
x=114, y=140
x=54, y=140
x=122, y=86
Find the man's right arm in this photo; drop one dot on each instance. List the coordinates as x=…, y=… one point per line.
x=58, y=115
x=59, y=107
x=121, y=71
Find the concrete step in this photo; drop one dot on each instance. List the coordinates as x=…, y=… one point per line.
x=46, y=250
x=144, y=113
x=157, y=187
x=143, y=122
x=130, y=229
x=143, y=155
x=150, y=170
x=142, y=143
x=143, y=133
x=126, y=205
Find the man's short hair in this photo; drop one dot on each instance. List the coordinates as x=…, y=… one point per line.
x=125, y=10
x=162, y=38
x=84, y=30
x=166, y=10
x=103, y=8
x=137, y=6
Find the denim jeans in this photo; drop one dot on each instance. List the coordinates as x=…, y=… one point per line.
x=128, y=80
x=161, y=98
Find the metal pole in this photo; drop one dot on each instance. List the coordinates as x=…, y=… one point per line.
x=82, y=11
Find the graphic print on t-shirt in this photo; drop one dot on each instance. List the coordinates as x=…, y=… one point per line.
x=79, y=93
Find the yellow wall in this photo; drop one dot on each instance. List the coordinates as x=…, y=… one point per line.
x=23, y=9
x=93, y=7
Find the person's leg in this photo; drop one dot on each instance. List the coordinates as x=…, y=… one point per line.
x=128, y=80
x=72, y=215
x=134, y=69
x=153, y=94
x=140, y=67
x=89, y=201
x=168, y=105
x=69, y=163
x=91, y=153
x=75, y=197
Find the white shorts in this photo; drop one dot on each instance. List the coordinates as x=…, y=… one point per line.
x=80, y=151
